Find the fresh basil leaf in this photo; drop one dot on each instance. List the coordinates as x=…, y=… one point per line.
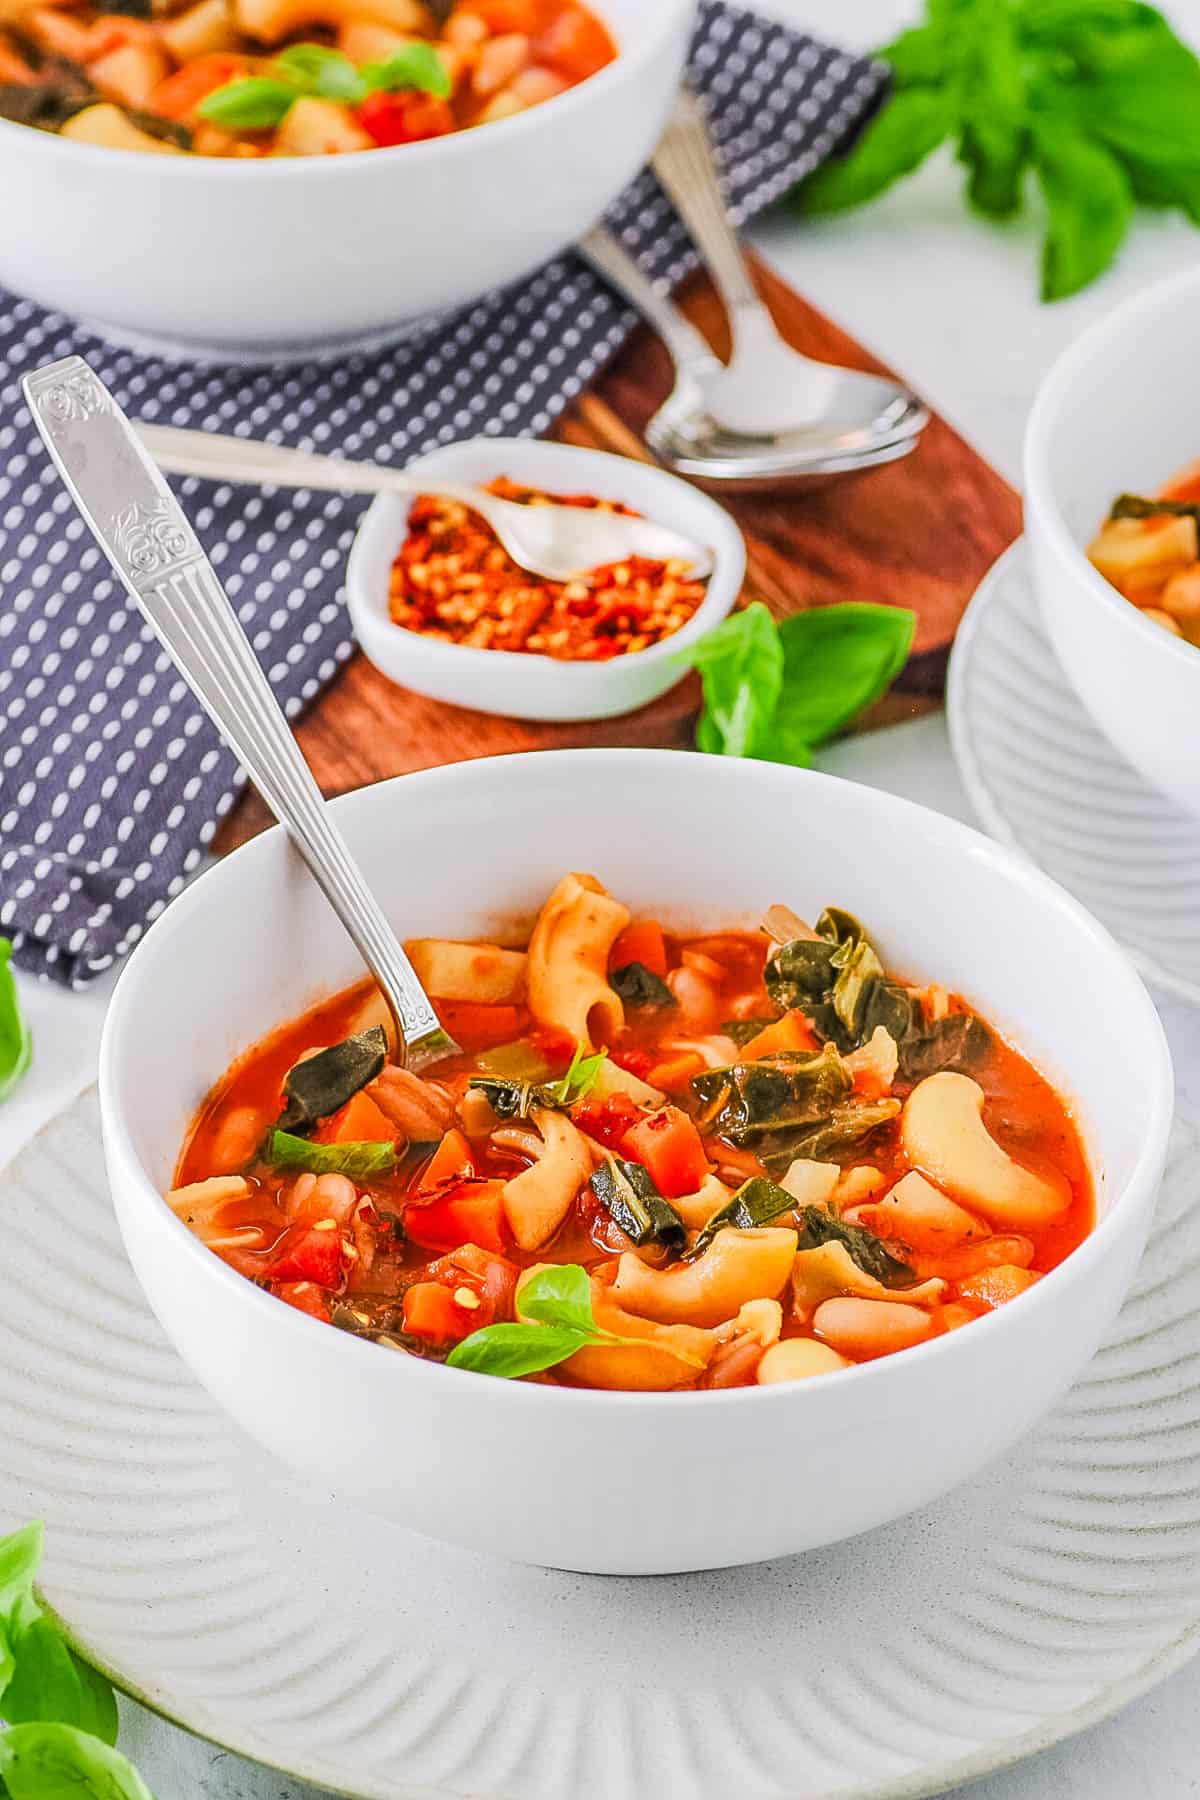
x=48, y=1682
x=16, y=1044
x=515, y=1350
x=560, y=1294
x=414, y=65
x=894, y=142
x=358, y=1161
x=919, y=57
x=639, y=986
x=316, y=69
x=741, y=669
x=58, y=1762
x=1090, y=202
x=996, y=154
x=627, y=1192
x=582, y=1074
x=757, y=1202
x=251, y=103
x=20, y=1557
x=868, y=1251
x=322, y=1084
x=837, y=660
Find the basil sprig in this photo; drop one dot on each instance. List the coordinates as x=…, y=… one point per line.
x=61, y=1712
x=558, y=1303
x=1097, y=98
x=775, y=692
x=358, y=1160
x=511, y=1098
x=260, y=102
x=16, y=1045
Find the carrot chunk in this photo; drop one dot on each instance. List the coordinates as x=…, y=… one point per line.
x=669, y=1146
x=641, y=942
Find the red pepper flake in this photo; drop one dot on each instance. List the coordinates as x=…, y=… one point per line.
x=452, y=580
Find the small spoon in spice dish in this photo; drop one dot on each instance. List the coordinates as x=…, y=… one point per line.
x=560, y=543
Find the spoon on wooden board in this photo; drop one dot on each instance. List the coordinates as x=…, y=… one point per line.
x=144, y=531
x=770, y=414
x=560, y=543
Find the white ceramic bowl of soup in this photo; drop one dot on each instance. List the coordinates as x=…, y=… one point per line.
x=284, y=257
x=633, y=1482
x=518, y=684
x=1119, y=413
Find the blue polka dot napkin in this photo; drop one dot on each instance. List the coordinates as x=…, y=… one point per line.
x=111, y=779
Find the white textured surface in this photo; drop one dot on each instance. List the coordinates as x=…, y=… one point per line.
x=1043, y=779
x=1033, y=1601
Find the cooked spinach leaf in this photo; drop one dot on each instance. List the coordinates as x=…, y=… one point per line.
x=639, y=986
x=1136, y=506
x=321, y=1084
x=838, y=982
x=757, y=1202
x=868, y=1251
x=787, y=1091
x=47, y=105
x=511, y=1098
x=359, y=1161
x=846, y=1124
x=628, y=1194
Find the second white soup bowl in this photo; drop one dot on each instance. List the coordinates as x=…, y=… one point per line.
x=1119, y=413
x=612, y=1482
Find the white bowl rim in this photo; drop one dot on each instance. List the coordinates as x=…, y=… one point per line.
x=1053, y=397
x=366, y=603
x=663, y=16
x=522, y=1394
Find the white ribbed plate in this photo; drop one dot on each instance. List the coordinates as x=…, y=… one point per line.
x=1045, y=780
x=217, y=1587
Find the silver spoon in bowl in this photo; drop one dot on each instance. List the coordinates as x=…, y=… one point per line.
x=560, y=543
x=140, y=525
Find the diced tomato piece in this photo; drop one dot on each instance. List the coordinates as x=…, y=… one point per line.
x=636, y=1062
x=575, y=43
x=669, y=1146
x=433, y=1312
x=676, y=1071
x=642, y=942
x=493, y=1278
x=556, y=1046
x=181, y=93
x=480, y=1027
x=472, y=1212
x=306, y=1253
x=607, y=1120
x=360, y=1121
x=451, y=1161
x=792, y=1032
x=501, y=16
x=306, y=1298
x=403, y=118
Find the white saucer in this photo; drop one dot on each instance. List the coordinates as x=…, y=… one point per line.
x=1045, y=780
x=211, y=1583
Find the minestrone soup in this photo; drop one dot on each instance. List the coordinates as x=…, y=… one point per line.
x=658, y=1162
x=1149, y=550
x=255, y=78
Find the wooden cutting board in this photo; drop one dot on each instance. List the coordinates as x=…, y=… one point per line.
x=919, y=533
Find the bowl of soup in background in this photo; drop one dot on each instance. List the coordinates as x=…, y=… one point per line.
x=620, y=1482
x=1119, y=413
x=293, y=256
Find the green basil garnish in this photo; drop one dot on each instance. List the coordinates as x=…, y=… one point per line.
x=414, y=65
x=322, y=1084
x=251, y=103
x=559, y=1302
x=16, y=1044
x=511, y=1098
x=629, y=1196
x=320, y=71
x=358, y=1161
x=639, y=986
x=260, y=102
